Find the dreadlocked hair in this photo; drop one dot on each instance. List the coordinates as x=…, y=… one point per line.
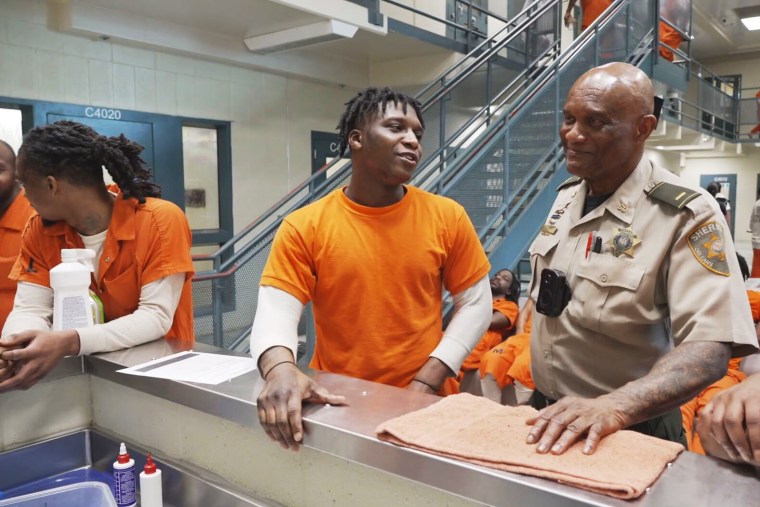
x=514, y=288
x=366, y=104
x=77, y=154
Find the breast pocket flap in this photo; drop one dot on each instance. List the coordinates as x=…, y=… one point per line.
x=609, y=271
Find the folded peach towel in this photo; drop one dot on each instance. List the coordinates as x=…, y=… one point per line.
x=482, y=432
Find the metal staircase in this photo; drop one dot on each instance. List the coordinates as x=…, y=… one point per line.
x=497, y=163
x=497, y=71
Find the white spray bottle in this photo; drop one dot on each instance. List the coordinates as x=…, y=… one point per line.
x=70, y=281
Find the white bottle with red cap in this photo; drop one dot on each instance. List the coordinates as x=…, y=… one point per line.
x=151, y=494
x=124, y=480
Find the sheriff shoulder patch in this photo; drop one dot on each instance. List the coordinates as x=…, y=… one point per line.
x=707, y=243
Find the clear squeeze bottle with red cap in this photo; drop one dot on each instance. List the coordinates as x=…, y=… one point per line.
x=151, y=494
x=124, y=480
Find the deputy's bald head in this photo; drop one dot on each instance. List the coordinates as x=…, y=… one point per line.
x=607, y=119
x=622, y=83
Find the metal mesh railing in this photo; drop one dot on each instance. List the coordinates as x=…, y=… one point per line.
x=525, y=143
x=494, y=164
x=491, y=76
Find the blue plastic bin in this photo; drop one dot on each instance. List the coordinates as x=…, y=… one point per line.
x=89, y=494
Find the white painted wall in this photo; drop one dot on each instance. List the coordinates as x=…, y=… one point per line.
x=746, y=169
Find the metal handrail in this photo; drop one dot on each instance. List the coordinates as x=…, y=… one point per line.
x=588, y=36
x=536, y=8
x=466, y=159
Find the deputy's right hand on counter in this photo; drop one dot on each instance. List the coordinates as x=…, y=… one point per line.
x=279, y=403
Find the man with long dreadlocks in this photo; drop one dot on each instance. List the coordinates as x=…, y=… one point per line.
x=143, y=267
x=373, y=258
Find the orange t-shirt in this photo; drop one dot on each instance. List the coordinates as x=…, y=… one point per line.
x=144, y=243
x=375, y=277
x=12, y=223
x=493, y=337
x=591, y=9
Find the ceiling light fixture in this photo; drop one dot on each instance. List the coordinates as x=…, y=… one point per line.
x=301, y=36
x=749, y=16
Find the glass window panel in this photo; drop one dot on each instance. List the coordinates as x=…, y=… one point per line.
x=10, y=127
x=203, y=250
x=199, y=151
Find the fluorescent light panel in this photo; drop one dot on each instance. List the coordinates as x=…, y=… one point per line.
x=301, y=36
x=749, y=16
x=752, y=23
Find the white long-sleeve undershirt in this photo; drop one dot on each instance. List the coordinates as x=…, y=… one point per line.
x=278, y=313
x=33, y=310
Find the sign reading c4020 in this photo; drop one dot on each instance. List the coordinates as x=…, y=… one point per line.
x=104, y=113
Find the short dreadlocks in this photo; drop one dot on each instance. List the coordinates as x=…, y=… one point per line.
x=366, y=103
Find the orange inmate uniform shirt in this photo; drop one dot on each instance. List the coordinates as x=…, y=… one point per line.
x=500, y=359
x=493, y=337
x=12, y=223
x=691, y=409
x=520, y=369
x=144, y=243
x=670, y=37
x=375, y=277
x=591, y=10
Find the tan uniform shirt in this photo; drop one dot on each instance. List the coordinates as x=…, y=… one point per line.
x=754, y=225
x=628, y=310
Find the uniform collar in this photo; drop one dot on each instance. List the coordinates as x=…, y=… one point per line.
x=121, y=227
x=622, y=203
x=14, y=218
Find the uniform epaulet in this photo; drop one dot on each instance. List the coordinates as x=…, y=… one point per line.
x=572, y=180
x=676, y=196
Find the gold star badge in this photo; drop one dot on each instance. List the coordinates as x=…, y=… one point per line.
x=714, y=248
x=623, y=241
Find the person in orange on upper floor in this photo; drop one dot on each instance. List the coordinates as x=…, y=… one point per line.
x=590, y=10
x=756, y=129
x=671, y=38
x=15, y=211
x=505, y=290
x=676, y=13
x=496, y=364
x=143, y=267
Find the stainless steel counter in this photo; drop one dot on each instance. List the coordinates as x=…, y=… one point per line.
x=348, y=432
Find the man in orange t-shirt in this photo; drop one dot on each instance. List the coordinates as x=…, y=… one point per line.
x=505, y=289
x=143, y=267
x=15, y=211
x=373, y=258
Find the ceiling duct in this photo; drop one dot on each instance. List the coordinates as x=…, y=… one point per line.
x=301, y=36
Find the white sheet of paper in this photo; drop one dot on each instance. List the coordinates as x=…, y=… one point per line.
x=192, y=366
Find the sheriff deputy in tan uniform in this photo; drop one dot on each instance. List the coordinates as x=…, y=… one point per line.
x=656, y=306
